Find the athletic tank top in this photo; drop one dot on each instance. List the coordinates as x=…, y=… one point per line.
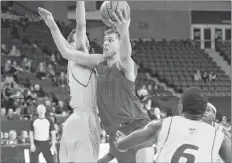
x=116, y=98
x=82, y=87
x=184, y=140
x=217, y=126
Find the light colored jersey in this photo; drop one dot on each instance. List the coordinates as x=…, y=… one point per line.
x=82, y=87
x=218, y=126
x=185, y=140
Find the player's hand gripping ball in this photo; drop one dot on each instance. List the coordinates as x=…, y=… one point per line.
x=110, y=7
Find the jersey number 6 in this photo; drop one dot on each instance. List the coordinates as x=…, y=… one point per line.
x=180, y=153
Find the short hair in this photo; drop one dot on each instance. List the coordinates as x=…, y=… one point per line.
x=70, y=39
x=113, y=30
x=194, y=101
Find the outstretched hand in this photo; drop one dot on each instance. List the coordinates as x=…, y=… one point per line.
x=48, y=18
x=122, y=22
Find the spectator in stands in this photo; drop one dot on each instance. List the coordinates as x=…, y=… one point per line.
x=7, y=67
x=224, y=122
x=10, y=114
x=49, y=107
x=31, y=92
x=24, y=137
x=26, y=64
x=197, y=76
x=36, y=49
x=155, y=87
x=148, y=104
x=205, y=77
x=6, y=135
x=51, y=116
x=4, y=50
x=30, y=109
x=62, y=80
x=60, y=107
x=17, y=115
x=3, y=114
x=41, y=71
x=13, y=137
x=212, y=76
x=5, y=138
x=149, y=89
x=40, y=93
x=16, y=67
x=157, y=113
x=53, y=59
x=51, y=72
x=14, y=51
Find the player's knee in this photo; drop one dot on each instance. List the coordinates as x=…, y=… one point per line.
x=145, y=155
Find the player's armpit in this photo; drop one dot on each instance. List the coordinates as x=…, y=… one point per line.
x=225, y=150
x=140, y=136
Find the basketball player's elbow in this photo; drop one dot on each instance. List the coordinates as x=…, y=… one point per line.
x=121, y=147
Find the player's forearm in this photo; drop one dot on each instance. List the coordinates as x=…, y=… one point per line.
x=31, y=136
x=80, y=13
x=81, y=23
x=61, y=43
x=125, y=46
x=53, y=137
x=134, y=139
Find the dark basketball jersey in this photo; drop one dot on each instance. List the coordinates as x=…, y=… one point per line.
x=116, y=98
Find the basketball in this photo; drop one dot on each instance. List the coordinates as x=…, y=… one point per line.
x=108, y=7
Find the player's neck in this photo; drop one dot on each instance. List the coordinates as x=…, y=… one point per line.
x=41, y=116
x=195, y=117
x=112, y=61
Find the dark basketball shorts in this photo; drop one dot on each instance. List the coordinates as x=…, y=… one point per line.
x=129, y=155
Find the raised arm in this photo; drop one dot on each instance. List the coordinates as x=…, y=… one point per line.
x=81, y=24
x=68, y=52
x=122, y=24
x=140, y=136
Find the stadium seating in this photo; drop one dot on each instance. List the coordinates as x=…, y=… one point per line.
x=175, y=63
x=225, y=50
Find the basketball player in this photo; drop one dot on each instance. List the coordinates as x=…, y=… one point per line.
x=81, y=136
x=209, y=117
x=186, y=137
x=119, y=107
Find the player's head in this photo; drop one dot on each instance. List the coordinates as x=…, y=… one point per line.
x=41, y=110
x=193, y=102
x=111, y=43
x=72, y=40
x=210, y=113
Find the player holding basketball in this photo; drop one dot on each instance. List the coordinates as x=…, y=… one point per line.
x=81, y=136
x=194, y=141
x=118, y=105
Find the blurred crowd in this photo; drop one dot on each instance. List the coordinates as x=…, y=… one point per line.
x=19, y=99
